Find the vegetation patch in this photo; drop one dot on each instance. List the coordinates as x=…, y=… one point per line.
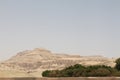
x=79, y=70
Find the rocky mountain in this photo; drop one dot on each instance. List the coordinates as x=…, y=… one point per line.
x=33, y=62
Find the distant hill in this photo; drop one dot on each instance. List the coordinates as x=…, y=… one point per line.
x=32, y=62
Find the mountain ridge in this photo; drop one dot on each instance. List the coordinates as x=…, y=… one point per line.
x=33, y=62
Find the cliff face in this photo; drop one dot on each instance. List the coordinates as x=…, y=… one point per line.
x=33, y=62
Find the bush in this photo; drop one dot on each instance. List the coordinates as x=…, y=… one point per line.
x=117, y=73
x=100, y=72
x=73, y=71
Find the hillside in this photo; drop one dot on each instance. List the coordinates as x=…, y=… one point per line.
x=32, y=62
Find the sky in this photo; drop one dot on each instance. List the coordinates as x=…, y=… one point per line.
x=83, y=27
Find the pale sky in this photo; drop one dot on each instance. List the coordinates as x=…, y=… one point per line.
x=84, y=27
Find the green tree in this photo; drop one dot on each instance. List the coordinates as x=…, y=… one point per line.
x=117, y=66
x=46, y=73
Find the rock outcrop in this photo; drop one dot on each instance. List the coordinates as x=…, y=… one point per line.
x=33, y=62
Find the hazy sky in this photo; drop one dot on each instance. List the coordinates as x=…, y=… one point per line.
x=84, y=27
